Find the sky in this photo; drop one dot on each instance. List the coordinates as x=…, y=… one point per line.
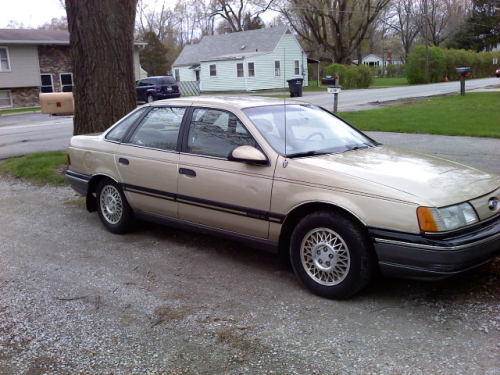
x=30, y=12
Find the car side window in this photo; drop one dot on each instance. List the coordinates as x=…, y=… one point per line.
x=159, y=129
x=117, y=133
x=216, y=133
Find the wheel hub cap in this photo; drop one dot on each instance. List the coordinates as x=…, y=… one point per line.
x=325, y=256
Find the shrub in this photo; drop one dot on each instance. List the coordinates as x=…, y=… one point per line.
x=351, y=76
x=415, y=72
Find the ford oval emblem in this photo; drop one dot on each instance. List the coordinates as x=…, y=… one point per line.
x=493, y=204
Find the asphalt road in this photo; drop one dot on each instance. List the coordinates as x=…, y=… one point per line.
x=28, y=133
x=354, y=100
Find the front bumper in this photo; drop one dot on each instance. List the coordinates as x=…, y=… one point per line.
x=78, y=181
x=419, y=257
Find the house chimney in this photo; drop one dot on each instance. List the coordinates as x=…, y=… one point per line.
x=389, y=57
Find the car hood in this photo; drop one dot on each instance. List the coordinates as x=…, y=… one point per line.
x=438, y=181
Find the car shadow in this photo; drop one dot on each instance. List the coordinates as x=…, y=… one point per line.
x=482, y=283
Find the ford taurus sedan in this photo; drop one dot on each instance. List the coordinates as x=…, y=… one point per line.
x=292, y=179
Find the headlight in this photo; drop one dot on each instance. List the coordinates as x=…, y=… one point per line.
x=446, y=218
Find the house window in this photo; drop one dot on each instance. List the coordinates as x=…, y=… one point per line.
x=297, y=67
x=239, y=70
x=4, y=60
x=47, y=85
x=177, y=75
x=251, y=69
x=213, y=70
x=5, y=99
x=66, y=82
x=277, y=68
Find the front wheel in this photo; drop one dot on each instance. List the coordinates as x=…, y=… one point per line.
x=114, y=211
x=150, y=98
x=331, y=255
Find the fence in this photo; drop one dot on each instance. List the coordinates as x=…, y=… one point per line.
x=189, y=88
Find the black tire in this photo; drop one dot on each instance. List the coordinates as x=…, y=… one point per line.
x=114, y=211
x=150, y=98
x=331, y=255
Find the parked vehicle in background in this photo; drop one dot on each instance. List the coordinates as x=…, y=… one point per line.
x=292, y=179
x=156, y=88
x=497, y=73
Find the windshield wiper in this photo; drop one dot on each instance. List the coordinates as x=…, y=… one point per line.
x=359, y=147
x=307, y=153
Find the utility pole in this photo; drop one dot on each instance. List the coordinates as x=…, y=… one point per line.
x=426, y=43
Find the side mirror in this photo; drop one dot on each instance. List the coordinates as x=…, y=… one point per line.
x=248, y=154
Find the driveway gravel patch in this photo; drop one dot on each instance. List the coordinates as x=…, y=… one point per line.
x=75, y=298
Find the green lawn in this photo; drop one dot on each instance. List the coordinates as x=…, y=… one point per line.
x=379, y=83
x=40, y=168
x=11, y=111
x=476, y=114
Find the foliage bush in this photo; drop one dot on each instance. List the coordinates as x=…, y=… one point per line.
x=415, y=72
x=442, y=63
x=351, y=76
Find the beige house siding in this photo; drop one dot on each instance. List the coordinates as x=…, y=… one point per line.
x=25, y=69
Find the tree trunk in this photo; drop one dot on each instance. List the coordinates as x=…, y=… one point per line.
x=102, y=45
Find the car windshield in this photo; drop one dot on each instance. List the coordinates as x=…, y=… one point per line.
x=297, y=130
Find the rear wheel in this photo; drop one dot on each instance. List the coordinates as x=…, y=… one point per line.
x=331, y=255
x=150, y=98
x=114, y=210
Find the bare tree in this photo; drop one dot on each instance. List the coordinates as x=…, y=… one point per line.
x=102, y=44
x=444, y=19
x=235, y=11
x=337, y=26
x=402, y=21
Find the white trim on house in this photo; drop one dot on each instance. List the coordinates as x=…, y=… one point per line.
x=66, y=85
x=5, y=58
x=210, y=70
x=51, y=82
x=3, y=100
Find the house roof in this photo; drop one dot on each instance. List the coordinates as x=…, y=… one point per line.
x=32, y=36
x=233, y=45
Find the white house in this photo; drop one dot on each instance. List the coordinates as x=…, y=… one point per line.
x=244, y=61
x=379, y=60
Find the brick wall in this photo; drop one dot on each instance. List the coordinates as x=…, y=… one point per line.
x=24, y=97
x=55, y=60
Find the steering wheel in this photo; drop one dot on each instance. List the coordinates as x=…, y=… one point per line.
x=315, y=134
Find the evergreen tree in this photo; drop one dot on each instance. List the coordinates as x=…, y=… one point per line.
x=153, y=56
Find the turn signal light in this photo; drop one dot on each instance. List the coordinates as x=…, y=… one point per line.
x=426, y=220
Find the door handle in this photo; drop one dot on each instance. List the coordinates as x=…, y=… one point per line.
x=187, y=172
x=123, y=161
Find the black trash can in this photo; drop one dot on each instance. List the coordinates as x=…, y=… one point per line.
x=295, y=86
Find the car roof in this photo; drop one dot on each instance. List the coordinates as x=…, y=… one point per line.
x=225, y=101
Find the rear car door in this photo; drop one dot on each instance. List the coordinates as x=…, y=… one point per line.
x=148, y=159
x=214, y=191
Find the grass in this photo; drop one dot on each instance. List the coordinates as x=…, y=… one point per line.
x=39, y=168
x=475, y=114
x=20, y=110
x=379, y=83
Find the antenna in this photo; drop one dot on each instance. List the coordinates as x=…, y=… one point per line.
x=285, y=162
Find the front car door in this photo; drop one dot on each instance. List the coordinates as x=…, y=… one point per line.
x=147, y=161
x=214, y=191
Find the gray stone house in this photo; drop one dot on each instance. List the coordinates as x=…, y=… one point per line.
x=35, y=61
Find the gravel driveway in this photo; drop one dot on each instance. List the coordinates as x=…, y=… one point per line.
x=75, y=298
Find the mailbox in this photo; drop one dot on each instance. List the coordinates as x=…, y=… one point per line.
x=330, y=81
x=463, y=70
x=57, y=103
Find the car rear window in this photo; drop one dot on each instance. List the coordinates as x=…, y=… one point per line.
x=167, y=81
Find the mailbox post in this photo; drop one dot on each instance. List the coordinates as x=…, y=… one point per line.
x=332, y=82
x=463, y=73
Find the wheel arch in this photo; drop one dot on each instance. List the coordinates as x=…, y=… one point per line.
x=301, y=211
x=92, y=190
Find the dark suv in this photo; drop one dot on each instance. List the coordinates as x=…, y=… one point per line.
x=156, y=88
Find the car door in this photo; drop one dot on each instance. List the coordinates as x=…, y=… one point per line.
x=148, y=161
x=214, y=191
